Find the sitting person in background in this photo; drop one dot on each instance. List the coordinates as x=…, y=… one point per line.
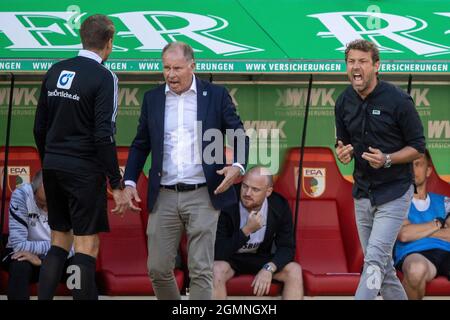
x=422, y=250
x=29, y=237
x=248, y=231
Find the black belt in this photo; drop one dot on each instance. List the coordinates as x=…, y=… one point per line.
x=181, y=187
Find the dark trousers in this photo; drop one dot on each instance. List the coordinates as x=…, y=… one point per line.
x=21, y=275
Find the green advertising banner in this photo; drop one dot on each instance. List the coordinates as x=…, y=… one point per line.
x=272, y=112
x=233, y=36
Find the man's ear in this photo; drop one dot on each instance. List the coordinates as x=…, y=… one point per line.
x=429, y=171
x=377, y=66
x=269, y=191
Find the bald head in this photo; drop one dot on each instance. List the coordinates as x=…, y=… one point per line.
x=261, y=172
x=256, y=187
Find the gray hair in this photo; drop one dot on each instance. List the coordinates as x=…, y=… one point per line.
x=188, y=52
x=37, y=181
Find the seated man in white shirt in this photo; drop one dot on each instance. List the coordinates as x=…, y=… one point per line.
x=29, y=237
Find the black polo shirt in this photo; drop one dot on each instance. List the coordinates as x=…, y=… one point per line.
x=387, y=120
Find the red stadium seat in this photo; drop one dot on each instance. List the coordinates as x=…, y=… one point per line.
x=6, y=221
x=23, y=164
x=123, y=257
x=327, y=243
x=440, y=285
x=437, y=185
x=123, y=251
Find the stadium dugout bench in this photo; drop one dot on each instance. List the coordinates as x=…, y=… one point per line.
x=327, y=243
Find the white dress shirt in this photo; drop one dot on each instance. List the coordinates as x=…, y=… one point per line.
x=257, y=237
x=182, y=162
x=182, y=158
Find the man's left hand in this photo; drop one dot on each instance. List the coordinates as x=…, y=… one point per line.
x=27, y=256
x=231, y=173
x=375, y=157
x=261, y=283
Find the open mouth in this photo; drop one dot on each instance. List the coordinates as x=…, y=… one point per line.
x=357, y=77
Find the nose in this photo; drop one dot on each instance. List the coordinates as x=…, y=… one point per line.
x=170, y=73
x=356, y=65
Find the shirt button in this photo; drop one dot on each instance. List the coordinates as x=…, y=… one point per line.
x=366, y=132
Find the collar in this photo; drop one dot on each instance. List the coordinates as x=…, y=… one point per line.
x=379, y=87
x=192, y=88
x=90, y=54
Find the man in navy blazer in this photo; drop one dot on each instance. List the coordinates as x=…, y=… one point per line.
x=182, y=124
x=256, y=236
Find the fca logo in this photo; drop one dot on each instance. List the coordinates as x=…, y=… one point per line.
x=65, y=79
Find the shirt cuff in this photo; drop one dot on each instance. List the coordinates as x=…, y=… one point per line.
x=241, y=168
x=130, y=183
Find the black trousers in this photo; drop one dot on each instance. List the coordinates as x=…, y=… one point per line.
x=21, y=275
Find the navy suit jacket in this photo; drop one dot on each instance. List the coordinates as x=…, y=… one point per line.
x=278, y=239
x=215, y=109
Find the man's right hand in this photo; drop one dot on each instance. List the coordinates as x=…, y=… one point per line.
x=254, y=223
x=344, y=153
x=132, y=194
x=121, y=200
x=27, y=256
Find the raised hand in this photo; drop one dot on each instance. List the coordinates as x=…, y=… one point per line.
x=231, y=173
x=344, y=152
x=375, y=157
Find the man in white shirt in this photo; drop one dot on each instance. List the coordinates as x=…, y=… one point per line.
x=29, y=237
x=188, y=184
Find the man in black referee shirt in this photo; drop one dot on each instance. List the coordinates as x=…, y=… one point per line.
x=74, y=132
x=377, y=124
